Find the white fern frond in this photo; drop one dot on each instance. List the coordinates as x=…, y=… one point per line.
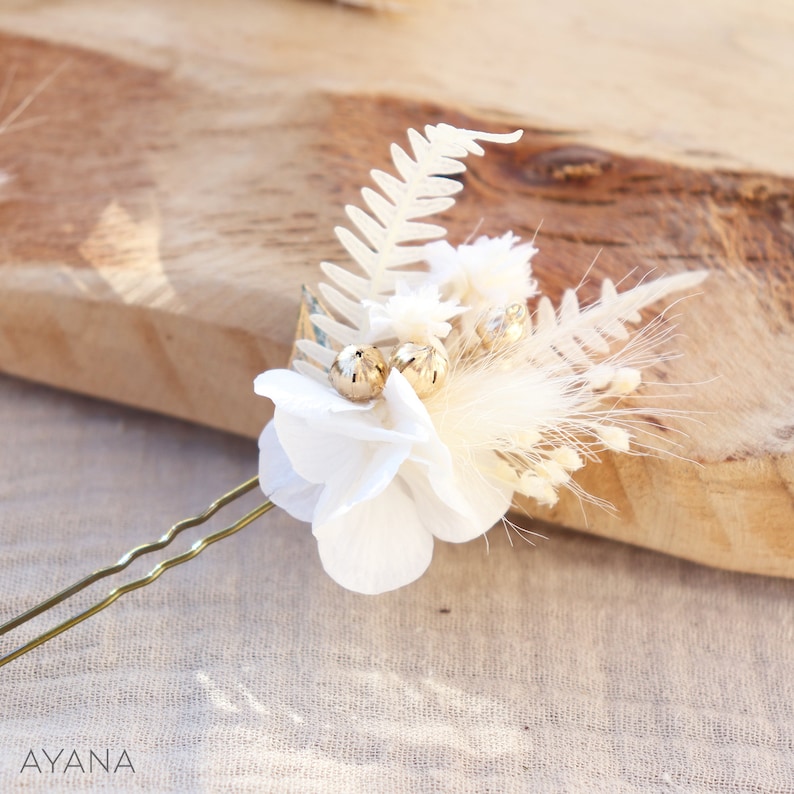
x=353, y=310
x=310, y=371
x=575, y=334
x=337, y=332
x=322, y=355
x=390, y=237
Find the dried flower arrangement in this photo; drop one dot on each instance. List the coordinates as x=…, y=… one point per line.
x=438, y=386
x=434, y=394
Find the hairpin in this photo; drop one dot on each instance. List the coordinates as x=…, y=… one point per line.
x=430, y=387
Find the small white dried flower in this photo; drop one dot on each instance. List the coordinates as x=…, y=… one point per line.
x=493, y=271
x=537, y=488
x=626, y=380
x=600, y=377
x=609, y=379
x=567, y=457
x=615, y=438
x=412, y=315
x=526, y=439
x=552, y=471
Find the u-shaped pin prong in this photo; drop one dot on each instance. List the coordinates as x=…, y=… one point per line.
x=124, y=561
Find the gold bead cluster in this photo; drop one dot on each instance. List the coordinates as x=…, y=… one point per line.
x=359, y=372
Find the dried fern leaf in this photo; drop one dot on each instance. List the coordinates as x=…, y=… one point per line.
x=575, y=335
x=391, y=238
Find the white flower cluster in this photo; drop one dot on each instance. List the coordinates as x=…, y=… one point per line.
x=375, y=479
x=418, y=315
x=526, y=401
x=490, y=272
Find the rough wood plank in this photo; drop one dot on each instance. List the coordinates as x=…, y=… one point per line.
x=167, y=193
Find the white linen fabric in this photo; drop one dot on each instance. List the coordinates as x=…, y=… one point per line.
x=577, y=665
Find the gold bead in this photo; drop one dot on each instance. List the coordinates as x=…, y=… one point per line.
x=503, y=327
x=425, y=366
x=359, y=373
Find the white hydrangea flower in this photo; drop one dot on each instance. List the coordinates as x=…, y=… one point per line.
x=493, y=271
x=375, y=479
x=412, y=315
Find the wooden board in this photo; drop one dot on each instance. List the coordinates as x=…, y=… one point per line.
x=175, y=171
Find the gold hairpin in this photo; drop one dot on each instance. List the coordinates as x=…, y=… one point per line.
x=474, y=399
x=128, y=558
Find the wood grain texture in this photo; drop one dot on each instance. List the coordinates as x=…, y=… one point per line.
x=174, y=183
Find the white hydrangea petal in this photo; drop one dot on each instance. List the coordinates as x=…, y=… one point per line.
x=434, y=465
x=379, y=545
x=375, y=426
x=314, y=454
x=461, y=508
x=407, y=412
x=303, y=396
x=321, y=408
x=343, y=491
x=349, y=470
x=280, y=482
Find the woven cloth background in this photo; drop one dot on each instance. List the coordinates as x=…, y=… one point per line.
x=577, y=665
